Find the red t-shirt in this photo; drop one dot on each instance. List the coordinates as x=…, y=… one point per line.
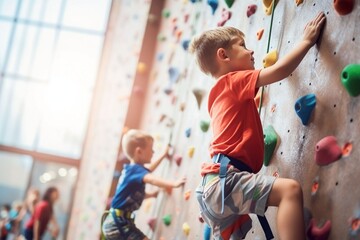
x=42, y=212
x=235, y=121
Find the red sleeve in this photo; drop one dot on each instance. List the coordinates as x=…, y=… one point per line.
x=243, y=83
x=39, y=211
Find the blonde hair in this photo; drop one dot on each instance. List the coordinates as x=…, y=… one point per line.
x=133, y=139
x=205, y=46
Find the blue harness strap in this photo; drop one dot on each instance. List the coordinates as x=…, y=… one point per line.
x=224, y=161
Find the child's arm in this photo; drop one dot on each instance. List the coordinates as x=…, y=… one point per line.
x=153, y=165
x=152, y=195
x=159, y=182
x=285, y=66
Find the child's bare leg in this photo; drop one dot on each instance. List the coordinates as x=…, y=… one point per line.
x=287, y=195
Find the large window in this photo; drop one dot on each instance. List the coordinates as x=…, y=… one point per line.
x=49, y=57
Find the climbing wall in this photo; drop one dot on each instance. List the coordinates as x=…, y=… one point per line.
x=119, y=62
x=297, y=147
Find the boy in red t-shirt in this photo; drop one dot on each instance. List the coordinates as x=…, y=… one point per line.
x=227, y=196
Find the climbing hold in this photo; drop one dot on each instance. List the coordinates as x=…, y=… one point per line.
x=178, y=159
x=185, y=44
x=354, y=222
x=270, y=59
x=298, y=2
x=204, y=125
x=273, y=108
x=318, y=233
x=178, y=35
x=191, y=151
x=344, y=7
x=152, y=223
x=327, y=151
x=350, y=78
x=199, y=95
x=304, y=106
x=168, y=190
x=270, y=139
x=188, y=132
x=182, y=106
x=166, y=13
x=186, y=18
x=268, y=4
x=251, y=10
x=213, y=4
x=168, y=90
x=259, y=34
x=186, y=228
x=141, y=67
x=229, y=3
x=276, y=174
x=174, y=74
x=225, y=16
x=161, y=37
x=315, y=186
x=347, y=149
x=207, y=232
x=187, y=195
x=167, y=219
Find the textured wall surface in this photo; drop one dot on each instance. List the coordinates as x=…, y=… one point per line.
x=114, y=86
x=172, y=108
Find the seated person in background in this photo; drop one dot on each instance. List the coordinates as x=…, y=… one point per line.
x=130, y=192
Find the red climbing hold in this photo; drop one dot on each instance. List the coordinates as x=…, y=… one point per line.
x=315, y=186
x=152, y=223
x=318, y=233
x=344, y=7
x=327, y=151
x=225, y=16
x=178, y=159
x=251, y=10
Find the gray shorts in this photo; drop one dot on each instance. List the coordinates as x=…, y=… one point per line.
x=244, y=193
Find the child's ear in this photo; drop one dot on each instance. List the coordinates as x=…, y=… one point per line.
x=221, y=55
x=138, y=150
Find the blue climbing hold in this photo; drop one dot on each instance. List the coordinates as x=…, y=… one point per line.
x=188, y=132
x=207, y=232
x=185, y=44
x=213, y=4
x=304, y=106
x=174, y=74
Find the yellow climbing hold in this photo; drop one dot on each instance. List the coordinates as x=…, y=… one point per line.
x=191, y=151
x=270, y=59
x=268, y=4
x=141, y=67
x=186, y=228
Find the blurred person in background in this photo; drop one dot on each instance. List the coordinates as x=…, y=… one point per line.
x=43, y=214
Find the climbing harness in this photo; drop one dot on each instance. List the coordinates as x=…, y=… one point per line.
x=224, y=161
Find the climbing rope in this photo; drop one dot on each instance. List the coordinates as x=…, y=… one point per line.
x=267, y=51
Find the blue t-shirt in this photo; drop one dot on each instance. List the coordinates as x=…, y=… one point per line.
x=130, y=191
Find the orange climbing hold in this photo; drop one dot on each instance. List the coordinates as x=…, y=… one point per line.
x=259, y=34
x=187, y=195
x=347, y=149
x=344, y=7
x=315, y=186
x=327, y=151
x=298, y=2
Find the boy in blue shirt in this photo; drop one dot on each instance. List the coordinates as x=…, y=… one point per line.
x=130, y=192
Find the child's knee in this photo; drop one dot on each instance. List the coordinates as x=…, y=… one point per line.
x=294, y=190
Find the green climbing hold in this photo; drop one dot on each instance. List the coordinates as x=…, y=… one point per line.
x=204, y=125
x=167, y=219
x=350, y=78
x=270, y=139
x=166, y=13
x=229, y=3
